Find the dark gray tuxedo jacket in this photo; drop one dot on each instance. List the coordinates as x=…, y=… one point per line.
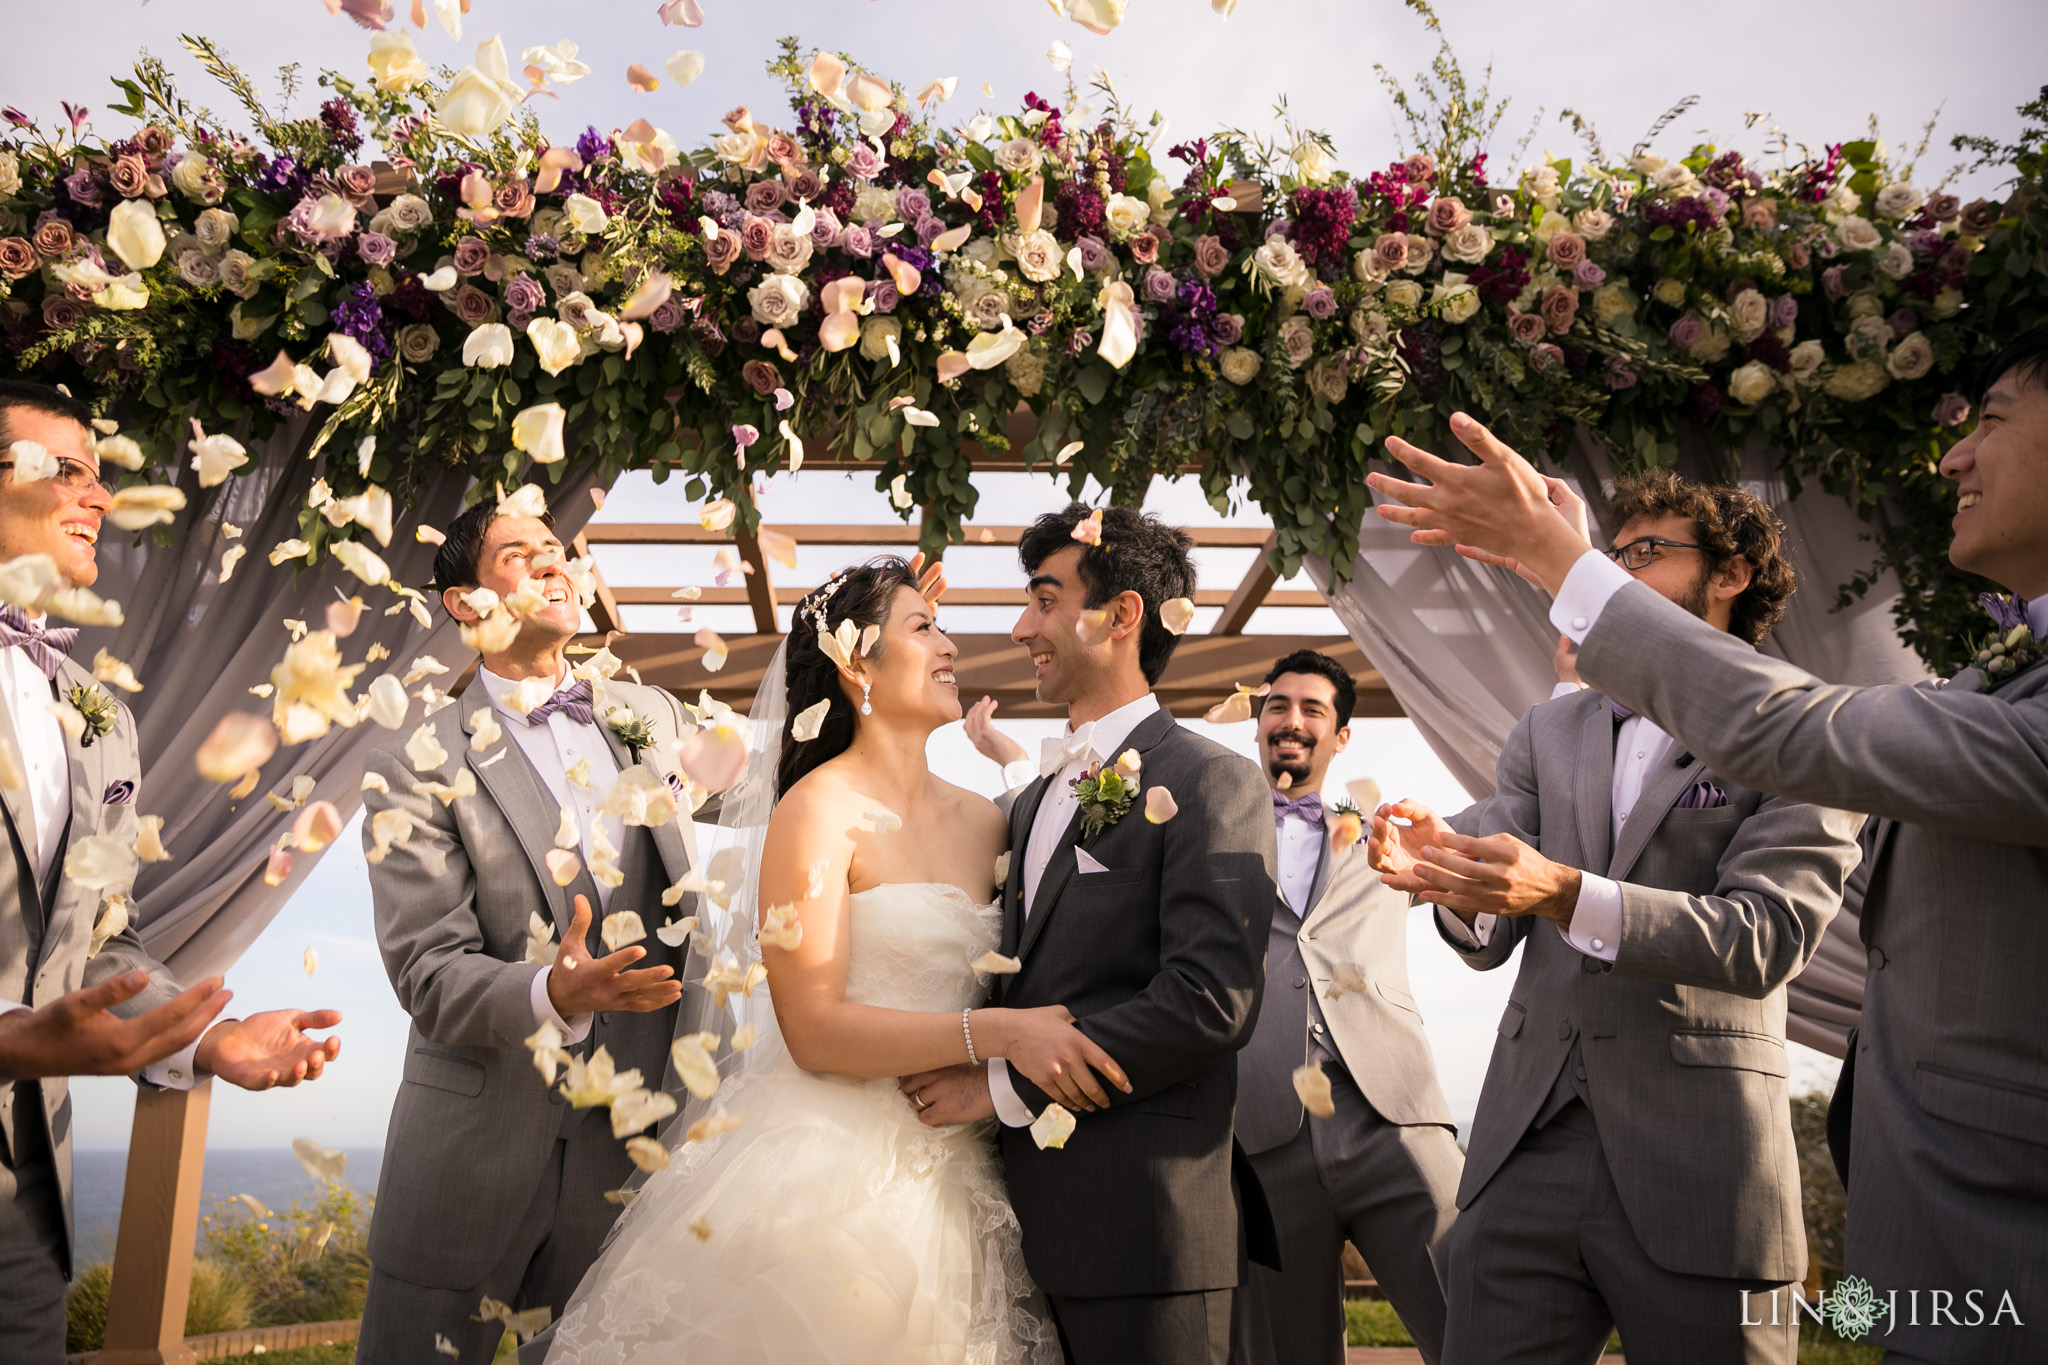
x=1161, y=960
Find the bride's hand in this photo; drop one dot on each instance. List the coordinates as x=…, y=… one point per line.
x=1055, y=1056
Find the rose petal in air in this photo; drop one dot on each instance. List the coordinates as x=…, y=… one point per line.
x=620, y=928
x=1160, y=805
x=563, y=865
x=995, y=964
x=318, y=825
x=641, y=79
x=1088, y=531
x=240, y=744
x=808, y=721
x=882, y=821
x=1313, y=1088
x=1177, y=615
x=647, y=1154
x=1053, y=1126
x=695, y=1065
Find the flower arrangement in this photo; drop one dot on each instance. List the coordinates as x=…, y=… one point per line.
x=886, y=281
x=1104, y=793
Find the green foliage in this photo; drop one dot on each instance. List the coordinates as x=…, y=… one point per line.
x=302, y=1264
x=219, y=1302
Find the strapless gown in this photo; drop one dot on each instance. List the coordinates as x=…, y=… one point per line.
x=840, y=1229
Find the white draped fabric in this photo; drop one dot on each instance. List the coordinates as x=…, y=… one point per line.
x=1466, y=648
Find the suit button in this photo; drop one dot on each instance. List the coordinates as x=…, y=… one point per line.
x=1877, y=959
x=1580, y=1072
x=1564, y=1029
x=1589, y=965
x=604, y=1018
x=1300, y=981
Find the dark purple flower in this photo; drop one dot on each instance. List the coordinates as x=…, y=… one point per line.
x=360, y=315
x=1322, y=223
x=929, y=229
x=1831, y=282
x=2005, y=609
x=283, y=175
x=1903, y=321
x=340, y=119
x=1502, y=277
x=1228, y=329
x=83, y=189
x=1159, y=286
x=593, y=147
x=542, y=247
x=668, y=317
x=1684, y=214
x=1620, y=374
x=470, y=255
x=1784, y=311
x=1702, y=403
x=1687, y=331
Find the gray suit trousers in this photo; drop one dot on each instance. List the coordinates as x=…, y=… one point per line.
x=557, y=1239
x=1390, y=1188
x=31, y=1240
x=1544, y=1263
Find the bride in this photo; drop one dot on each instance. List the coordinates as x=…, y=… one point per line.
x=831, y=1226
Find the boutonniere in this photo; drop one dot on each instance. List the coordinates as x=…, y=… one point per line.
x=1345, y=822
x=99, y=712
x=2011, y=648
x=634, y=730
x=1106, y=793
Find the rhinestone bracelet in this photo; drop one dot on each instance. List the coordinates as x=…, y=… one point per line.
x=968, y=1033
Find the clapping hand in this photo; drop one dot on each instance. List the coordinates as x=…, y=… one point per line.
x=1495, y=875
x=580, y=984
x=77, y=1034
x=1394, y=851
x=269, y=1049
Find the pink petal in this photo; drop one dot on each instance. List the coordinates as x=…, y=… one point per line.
x=688, y=13
x=953, y=238
x=784, y=400
x=953, y=364
x=1160, y=805
x=842, y=295
x=838, y=332
x=274, y=378
x=827, y=71
x=744, y=435
x=1031, y=204
x=905, y=276
x=652, y=292
x=641, y=79
x=553, y=162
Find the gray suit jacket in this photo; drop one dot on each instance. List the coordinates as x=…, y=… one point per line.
x=45, y=930
x=1682, y=1039
x=1158, y=958
x=474, y=1124
x=1950, y=1129
x=1355, y=920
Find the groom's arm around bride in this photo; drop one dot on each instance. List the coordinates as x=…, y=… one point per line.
x=1152, y=931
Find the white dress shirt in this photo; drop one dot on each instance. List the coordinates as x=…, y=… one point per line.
x=1301, y=853
x=1097, y=741
x=553, y=747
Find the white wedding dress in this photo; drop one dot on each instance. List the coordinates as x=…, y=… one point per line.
x=831, y=1226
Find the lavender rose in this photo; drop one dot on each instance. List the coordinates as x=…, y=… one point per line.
x=1297, y=341
x=1094, y=253
x=84, y=189
x=1212, y=258
x=805, y=186
x=989, y=309
x=1160, y=286
x=1544, y=356
x=523, y=294
x=1784, y=311
x=1620, y=374
x=61, y=311
x=1687, y=331
x=1419, y=166
x=474, y=306
x=197, y=269
x=929, y=229
x=470, y=255
x=1319, y=303
x=856, y=242
x=864, y=162
x=1228, y=329
x=666, y=318
x=825, y=230
x=765, y=196
x=882, y=295
x=912, y=204
x=1588, y=275
x=376, y=249
x=1831, y=282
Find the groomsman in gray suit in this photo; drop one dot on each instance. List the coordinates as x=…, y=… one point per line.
x=1383, y=1170
x=493, y=1185
x=75, y=1002
x=1948, y=1174
x=1632, y=1160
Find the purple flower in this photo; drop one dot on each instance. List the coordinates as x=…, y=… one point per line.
x=1687, y=331
x=1159, y=286
x=1588, y=275
x=470, y=255
x=593, y=146
x=283, y=176
x=856, y=242
x=1952, y=410
x=718, y=204
x=83, y=189
x=912, y=204
x=376, y=249
x=523, y=294
x=1228, y=329
x=1319, y=303
x=882, y=294
x=929, y=229
x=1620, y=374
x=2004, y=608
x=863, y=162
x=543, y=247
x=1903, y=321
x=359, y=315
x=1831, y=282
x=666, y=318
x=1094, y=253
x=825, y=230
x=1784, y=311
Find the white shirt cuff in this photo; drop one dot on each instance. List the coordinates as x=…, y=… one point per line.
x=10, y=1006
x=1477, y=934
x=1009, y=1108
x=572, y=1030
x=1595, y=929
x=1565, y=689
x=1583, y=595
x=1019, y=773
x=178, y=1071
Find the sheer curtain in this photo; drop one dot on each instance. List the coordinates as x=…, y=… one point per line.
x=199, y=644
x=1466, y=648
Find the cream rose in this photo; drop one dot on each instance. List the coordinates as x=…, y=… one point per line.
x=135, y=235
x=395, y=64
x=1594, y=224
x=1712, y=347
x=1404, y=294
x=1669, y=292
x=1312, y=161
x=1897, y=261
x=1856, y=382
x=1857, y=233
x=410, y=213
x=192, y=177
x=1611, y=301
x=1752, y=383
x=1127, y=215
x=875, y=335
x=1671, y=176
x=1896, y=201
x=238, y=274
x=1459, y=301
x=10, y=173
x=1239, y=365
x=1911, y=358
x=872, y=204
x=1807, y=357
x=788, y=250
x=1468, y=245
x=1019, y=156
x=778, y=301
x=1279, y=262
x=1948, y=303
x=216, y=228
x=1751, y=313
x=1038, y=256
x=1540, y=183
x=1870, y=336
x=1865, y=303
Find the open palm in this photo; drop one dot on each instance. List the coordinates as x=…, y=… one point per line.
x=269, y=1049
x=1393, y=850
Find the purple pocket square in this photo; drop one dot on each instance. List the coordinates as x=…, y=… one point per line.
x=1702, y=795
x=120, y=793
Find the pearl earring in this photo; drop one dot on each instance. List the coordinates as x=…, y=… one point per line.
x=865, y=709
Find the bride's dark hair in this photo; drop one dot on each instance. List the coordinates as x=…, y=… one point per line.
x=861, y=595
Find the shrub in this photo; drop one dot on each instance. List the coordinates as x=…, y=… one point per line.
x=300, y=1264
x=219, y=1303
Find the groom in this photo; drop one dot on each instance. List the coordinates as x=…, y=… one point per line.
x=1153, y=934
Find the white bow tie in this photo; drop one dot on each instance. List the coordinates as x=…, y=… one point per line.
x=1055, y=754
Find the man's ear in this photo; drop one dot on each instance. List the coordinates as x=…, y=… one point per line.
x=452, y=603
x=1127, y=614
x=1733, y=578
x=1340, y=738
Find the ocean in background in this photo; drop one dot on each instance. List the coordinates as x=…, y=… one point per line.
x=272, y=1174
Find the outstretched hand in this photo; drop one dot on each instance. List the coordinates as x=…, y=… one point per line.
x=1500, y=507
x=991, y=743
x=931, y=581
x=1497, y=875
x=77, y=1034
x=1394, y=851
x=269, y=1049
x=580, y=984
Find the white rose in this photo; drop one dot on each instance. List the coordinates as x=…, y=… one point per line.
x=1420, y=249
x=1459, y=300
x=10, y=173
x=1368, y=325
x=1671, y=176
x=1807, y=357
x=1404, y=294
x=584, y=214
x=789, y=251
x=1279, y=262
x=875, y=335
x=735, y=149
x=1669, y=292
x=1128, y=215
x=1856, y=382
x=1595, y=224
x=1865, y=303
x=1647, y=165
x=1540, y=183
x=1038, y=256
x=1019, y=156
x=1468, y=245
x=778, y=300
x=1912, y=357
x=237, y=274
x=1239, y=365
x=1752, y=383
x=872, y=204
x=478, y=100
x=1870, y=336
x=1312, y=161
x=216, y=228
x=1712, y=347
x=135, y=235
x=1026, y=370
x=1896, y=201
x=1897, y=261
x=1948, y=303
x=395, y=63
x=411, y=213
x=1157, y=193
x=1751, y=313
x=1857, y=233
x=1611, y=301
x=1842, y=200
x=189, y=178
x=983, y=251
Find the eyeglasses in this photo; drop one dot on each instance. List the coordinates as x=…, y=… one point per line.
x=1638, y=554
x=74, y=475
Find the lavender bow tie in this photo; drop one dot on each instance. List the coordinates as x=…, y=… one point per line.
x=47, y=648
x=573, y=702
x=1309, y=808
x=1620, y=712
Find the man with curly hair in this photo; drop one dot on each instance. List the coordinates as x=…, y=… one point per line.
x=1632, y=1160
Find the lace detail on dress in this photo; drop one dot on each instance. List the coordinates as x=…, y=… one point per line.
x=840, y=1228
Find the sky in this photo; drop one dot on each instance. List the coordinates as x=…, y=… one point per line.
x=1820, y=70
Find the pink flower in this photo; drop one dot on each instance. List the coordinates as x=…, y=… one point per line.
x=1544, y=356
x=721, y=251
x=1212, y=258
x=1952, y=410
x=1686, y=332
x=744, y=435
x=1144, y=248
x=856, y=242
x=1159, y=286
x=864, y=163
x=1587, y=275
x=765, y=196
x=1567, y=249
x=756, y=236
x=470, y=255
x=1447, y=215
x=1419, y=166
x=1320, y=303
x=1560, y=307
x=1525, y=327
x=1390, y=252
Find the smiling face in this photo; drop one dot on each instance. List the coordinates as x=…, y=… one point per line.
x=910, y=675
x=48, y=516
x=1076, y=651
x=1686, y=576
x=516, y=549
x=2001, y=474
x=1298, y=730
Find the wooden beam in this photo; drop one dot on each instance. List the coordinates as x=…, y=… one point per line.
x=955, y=597
x=1254, y=590
x=760, y=587
x=1203, y=670
x=604, y=612
x=877, y=533
x=159, y=1225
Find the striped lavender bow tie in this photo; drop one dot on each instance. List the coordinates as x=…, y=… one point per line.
x=1620, y=712
x=573, y=702
x=48, y=648
x=1308, y=808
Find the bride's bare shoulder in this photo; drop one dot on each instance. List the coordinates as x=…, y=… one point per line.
x=977, y=810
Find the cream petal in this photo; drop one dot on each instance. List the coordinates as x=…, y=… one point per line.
x=995, y=964
x=99, y=861
x=1053, y=1126
x=620, y=928
x=808, y=721
x=1160, y=805
x=1313, y=1088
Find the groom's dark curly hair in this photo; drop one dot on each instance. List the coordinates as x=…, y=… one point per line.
x=1139, y=553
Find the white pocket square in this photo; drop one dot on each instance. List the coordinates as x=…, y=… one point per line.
x=1086, y=863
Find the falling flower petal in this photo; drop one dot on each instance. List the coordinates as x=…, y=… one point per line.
x=995, y=964
x=1235, y=707
x=1160, y=805
x=424, y=750
x=113, y=921
x=318, y=825
x=149, y=839
x=108, y=669
x=1061, y=56
x=714, y=758
x=695, y=1065
x=641, y=79
x=715, y=1124
x=713, y=645
x=676, y=932
x=640, y=1109
x=321, y=1163
x=620, y=928
x=808, y=722
x=1345, y=978
x=1364, y=793
x=389, y=828
x=1313, y=1088
x=229, y=560
x=918, y=417
x=563, y=865
x=647, y=1154
x=1053, y=1126
x=882, y=821
x=780, y=928
x=687, y=13
x=717, y=514
x=277, y=868
x=141, y=506
x=1089, y=529
x=240, y=744
x=684, y=67
x=1177, y=615
x=215, y=457
x=311, y=961
x=1129, y=763
x=538, y=431
x=899, y=492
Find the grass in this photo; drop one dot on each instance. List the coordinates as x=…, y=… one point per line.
x=1373, y=1322
x=343, y=1354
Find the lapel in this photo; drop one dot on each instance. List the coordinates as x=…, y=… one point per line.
x=1593, y=785
x=86, y=791
x=1660, y=793
x=1021, y=812
x=21, y=820
x=1326, y=872
x=524, y=801
x=1060, y=869
x=668, y=838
